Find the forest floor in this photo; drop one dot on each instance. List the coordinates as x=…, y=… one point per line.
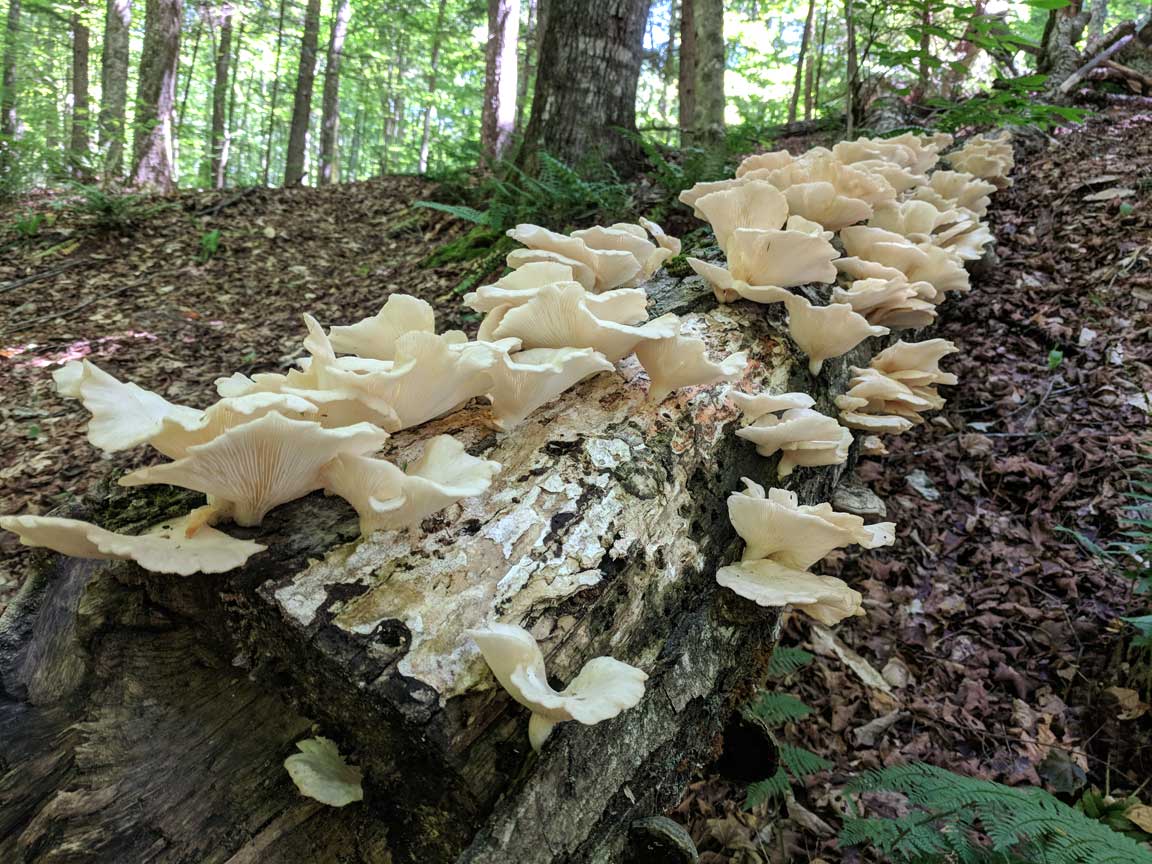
x=991, y=644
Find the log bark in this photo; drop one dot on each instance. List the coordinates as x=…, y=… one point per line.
x=146, y=718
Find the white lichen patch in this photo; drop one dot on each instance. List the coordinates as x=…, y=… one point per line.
x=572, y=503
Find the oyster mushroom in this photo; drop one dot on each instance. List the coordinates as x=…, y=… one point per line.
x=601, y=690
x=682, y=361
x=596, y=269
x=376, y=337
x=755, y=204
x=823, y=332
x=762, y=261
x=524, y=381
x=801, y=436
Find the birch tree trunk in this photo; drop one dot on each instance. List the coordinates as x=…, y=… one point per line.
x=156, y=95
x=500, y=78
x=275, y=95
x=687, y=78
x=302, y=101
x=708, y=19
x=220, y=86
x=78, y=148
x=820, y=46
x=330, y=109
x=9, y=123
x=145, y=718
x=433, y=69
x=114, y=85
x=586, y=82
x=800, y=66
x=528, y=69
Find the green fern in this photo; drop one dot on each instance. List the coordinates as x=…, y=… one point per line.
x=787, y=661
x=951, y=811
x=800, y=762
x=774, y=787
x=774, y=709
x=468, y=214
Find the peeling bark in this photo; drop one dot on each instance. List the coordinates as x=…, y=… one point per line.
x=146, y=718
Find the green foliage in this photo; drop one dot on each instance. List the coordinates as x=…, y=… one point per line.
x=27, y=226
x=1010, y=102
x=969, y=821
x=1111, y=812
x=209, y=245
x=111, y=211
x=776, y=786
x=1055, y=358
x=774, y=709
x=787, y=661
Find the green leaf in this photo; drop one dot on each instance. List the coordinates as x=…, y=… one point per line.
x=786, y=660
x=765, y=790
x=801, y=762
x=1048, y=4
x=775, y=709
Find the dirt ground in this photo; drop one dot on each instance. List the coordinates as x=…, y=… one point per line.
x=992, y=637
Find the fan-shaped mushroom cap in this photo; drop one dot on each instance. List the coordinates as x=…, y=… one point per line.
x=955, y=229
x=621, y=238
x=807, y=226
x=176, y=436
x=767, y=583
x=596, y=269
x=989, y=158
x=916, y=363
x=755, y=204
x=387, y=498
x=662, y=238
x=754, y=406
x=765, y=162
x=123, y=415
x=917, y=263
x=602, y=689
x=806, y=437
x=559, y=317
x=523, y=382
x=775, y=526
x=828, y=331
x=821, y=188
x=947, y=189
x=821, y=203
x=894, y=303
x=376, y=337
x=691, y=196
x=682, y=361
x=259, y=465
x=320, y=772
x=163, y=548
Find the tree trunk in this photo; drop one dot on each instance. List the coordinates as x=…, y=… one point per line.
x=499, y=115
x=586, y=82
x=530, y=43
x=1096, y=23
x=302, y=101
x=156, y=94
x=330, y=108
x=708, y=18
x=220, y=86
x=687, y=110
x=114, y=85
x=821, y=44
x=433, y=69
x=78, y=148
x=9, y=123
x=145, y=717
x=804, y=42
x=275, y=93
x=921, y=89
x=357, y=142
x=229, y=157
x=668, y=66
x=850, y=91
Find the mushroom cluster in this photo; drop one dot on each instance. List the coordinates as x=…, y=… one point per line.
x=788, y=425
x=897, y=387
x=989, y=158
x=783, y=539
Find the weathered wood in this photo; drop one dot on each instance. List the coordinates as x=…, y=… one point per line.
x=145, y=718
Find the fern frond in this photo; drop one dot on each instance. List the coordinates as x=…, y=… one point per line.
x=765, y=790
x=775, y=709
x=786, y=661
x=800, y=762
x=468, y=214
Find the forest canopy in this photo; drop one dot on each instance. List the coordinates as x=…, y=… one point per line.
x=270, y=92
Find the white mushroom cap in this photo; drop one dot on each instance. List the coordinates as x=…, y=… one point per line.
x=123, y=415
x=767, y=583
x=890, y=302
x=163, y=548
x=622, y=305
x=387, y=498
x=662, y=238
x=376, y=337
x=523, y=382
x=632, y=239
x=518, y=287
x=806, y=438
x=826, y=331
x=917, y=262
x=916, y=363
x=755, y=406
x=320, y=772
x=602, y=269
x=756, y=204
x=682, y=361
x=765, y=162
x=691, y=196
x=175, y=436
x=989, y=158
x=602, y=689
x=947, y=189
x=259, y=465
x=775, y=526
x=559, y=317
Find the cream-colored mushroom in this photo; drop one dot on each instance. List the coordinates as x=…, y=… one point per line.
x=163, y=548
x=755, y=405
x=762, y=261
x=524, y=381
x=691, y=196
x=320, y=773
x=916, y=364
x=376, y=337
x=124, y=415
x=387, y=498
x=765, y=162
x=601, y=690
x=802, y=437
x=949, y=189
x=897, y=387
x=922, y=262
x=626, y=237
x=662, y=238
x=954, y=229
x=259, y=465
x=755, y=204
x=622, y=305
x=559, y=317
x=682, y=361
x=823, y=332
x=989, y=158
x=823, y=598
x=893, y=303
x=596, y=269
x=823, y=189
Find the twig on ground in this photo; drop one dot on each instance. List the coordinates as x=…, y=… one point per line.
x=45, y=274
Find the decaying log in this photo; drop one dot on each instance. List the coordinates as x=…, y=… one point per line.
x=146, y=718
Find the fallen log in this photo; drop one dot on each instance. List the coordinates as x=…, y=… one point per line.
x=146, y=718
